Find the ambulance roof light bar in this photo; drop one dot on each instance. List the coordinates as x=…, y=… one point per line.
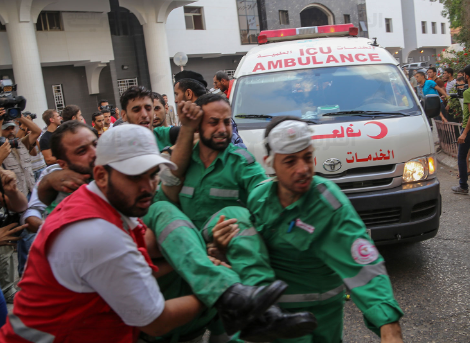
x=307, y=32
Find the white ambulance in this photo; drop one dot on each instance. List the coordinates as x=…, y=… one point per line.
x=370, y=132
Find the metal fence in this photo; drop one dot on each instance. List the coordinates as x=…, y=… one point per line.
x=448, y=134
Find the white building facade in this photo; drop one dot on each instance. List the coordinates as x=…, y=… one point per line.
x=63, y=52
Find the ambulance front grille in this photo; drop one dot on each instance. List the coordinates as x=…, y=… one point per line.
x=381, y=217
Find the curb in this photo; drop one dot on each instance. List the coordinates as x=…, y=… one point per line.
x=447, y=160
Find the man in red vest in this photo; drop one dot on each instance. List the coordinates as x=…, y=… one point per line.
x=89, y=277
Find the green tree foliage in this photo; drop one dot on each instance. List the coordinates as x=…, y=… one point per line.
x=458, y=13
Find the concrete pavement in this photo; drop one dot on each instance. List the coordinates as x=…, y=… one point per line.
x=431, y=279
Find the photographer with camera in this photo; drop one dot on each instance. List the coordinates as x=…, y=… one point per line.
x=37, y=159
x=104, y=105
x=52, y=119
x=12, y=202
x=19, y=160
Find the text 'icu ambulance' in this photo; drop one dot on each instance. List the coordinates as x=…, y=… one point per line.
x=370, y=131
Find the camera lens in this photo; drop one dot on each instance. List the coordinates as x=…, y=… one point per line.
x=14, y=113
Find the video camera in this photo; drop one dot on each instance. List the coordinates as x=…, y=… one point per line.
x=460, y=90
x=12, y=105
x=32, y=115
x=110, y=108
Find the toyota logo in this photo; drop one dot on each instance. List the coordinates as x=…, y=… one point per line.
x=332, y=164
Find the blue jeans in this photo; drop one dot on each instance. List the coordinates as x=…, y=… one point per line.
x=23, y=247
x=462, y=161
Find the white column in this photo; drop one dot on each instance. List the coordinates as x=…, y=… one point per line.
x=27, y=64
x=158, y=58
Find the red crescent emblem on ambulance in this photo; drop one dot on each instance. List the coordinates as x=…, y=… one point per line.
x=383, y=129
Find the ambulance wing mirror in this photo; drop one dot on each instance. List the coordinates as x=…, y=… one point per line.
x=432, y=105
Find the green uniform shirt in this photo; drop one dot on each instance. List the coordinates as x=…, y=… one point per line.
x=320, y=243
x=466, y=102
x=162, y=134
x=230, y=177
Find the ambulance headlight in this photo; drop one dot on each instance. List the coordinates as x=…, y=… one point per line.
x=419, y=169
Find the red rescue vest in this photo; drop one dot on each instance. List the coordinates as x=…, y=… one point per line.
x=45, y=311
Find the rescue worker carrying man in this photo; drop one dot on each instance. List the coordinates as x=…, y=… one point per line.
x=216, y=174
x=316, y=240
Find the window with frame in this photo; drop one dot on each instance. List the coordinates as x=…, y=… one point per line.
x=248, y=20
x=411, y=60
x=443, y=28
x=347, y=18
x=58, y=97
x=433, y=28
x=49, y=21
x=424, y=27
x=388, y=25
x=230, y=73
x=193, y=17
x=283, y=17
x=124, y=84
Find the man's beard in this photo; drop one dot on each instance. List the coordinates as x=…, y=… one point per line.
x=81, y=169
x=120, y=201
x=213, y=145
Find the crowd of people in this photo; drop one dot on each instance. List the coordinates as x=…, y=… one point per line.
x=155, y=224
x=451, y=110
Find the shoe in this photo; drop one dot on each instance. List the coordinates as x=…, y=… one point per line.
x=241, y=304
x=277, y=324
x=459, y=190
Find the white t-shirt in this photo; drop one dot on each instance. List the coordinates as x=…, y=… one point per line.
x=96, y=256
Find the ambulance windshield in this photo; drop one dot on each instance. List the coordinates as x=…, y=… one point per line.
x=318, y=94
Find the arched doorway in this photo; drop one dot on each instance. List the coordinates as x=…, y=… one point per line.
x=316, y=15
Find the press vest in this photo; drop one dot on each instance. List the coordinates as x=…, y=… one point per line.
x=19, y=162
x=45, y=311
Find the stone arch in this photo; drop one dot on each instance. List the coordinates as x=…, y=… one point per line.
x=316, y=15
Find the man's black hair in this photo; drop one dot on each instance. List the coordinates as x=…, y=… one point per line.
x=275, y=122
x=57, y=149
x=96, y=114
x=69, y=112
x=449, y=71
x=221, y=75
x=105, y=111
x=134, y=92
x=194, y=85
x=421, y=73
x=101, y=101
x=460, y=79
x=433, y=69
x=164, y=95
x=461, y=71
x=466, y=70
x=157, y=96
x=189, y=74
x=209, y=98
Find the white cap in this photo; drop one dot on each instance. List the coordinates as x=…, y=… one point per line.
x=130, y=149
x=289, y=137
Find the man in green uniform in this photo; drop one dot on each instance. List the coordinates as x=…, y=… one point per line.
x=317, y=242
x=216, y=175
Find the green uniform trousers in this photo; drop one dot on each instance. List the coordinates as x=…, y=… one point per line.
x=330, y=323
x=183, y=246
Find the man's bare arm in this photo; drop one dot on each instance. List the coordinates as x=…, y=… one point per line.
x=391, y=333
x=50, y=160
x=35, y=132
x=190, y=116
x=59, y=181
x=177, y=312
